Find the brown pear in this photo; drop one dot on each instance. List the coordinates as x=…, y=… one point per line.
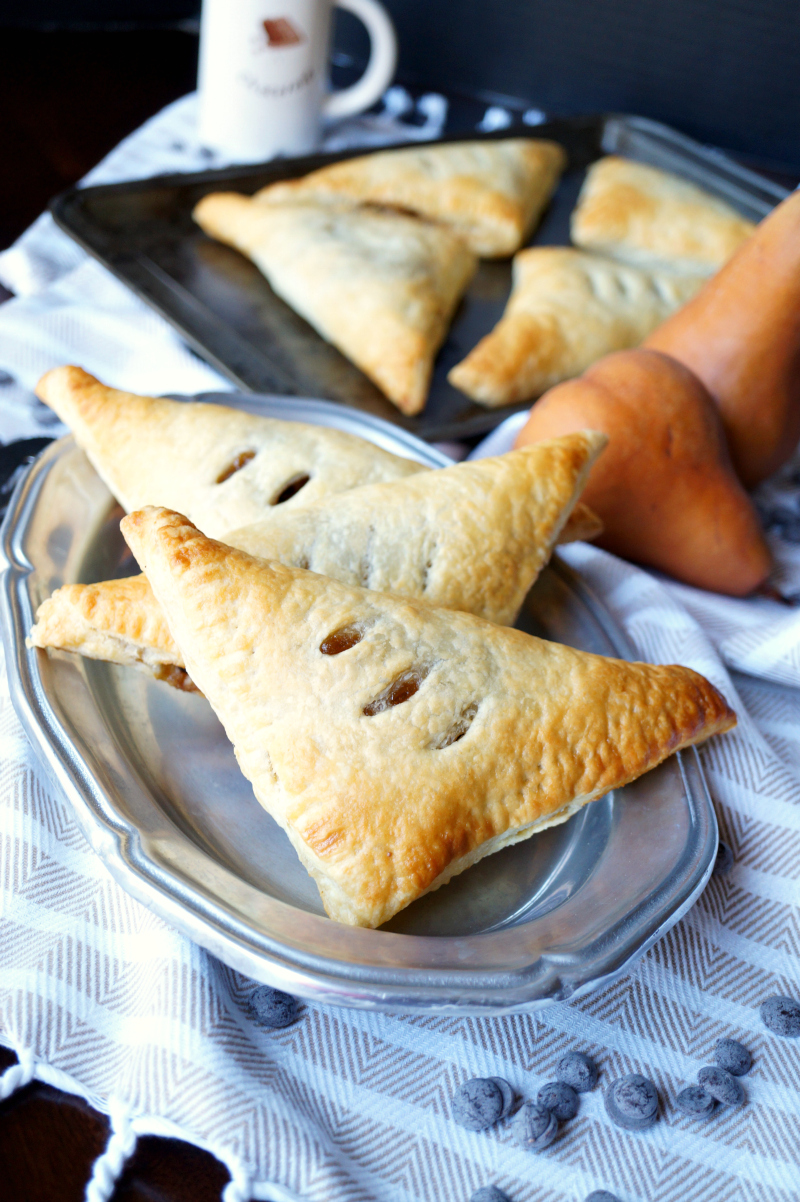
x=665, y=488
x=741, y=336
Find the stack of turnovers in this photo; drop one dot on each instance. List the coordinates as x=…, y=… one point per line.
x=471, y=537
x=654, y=239
x=375, y=252
x=397, y=744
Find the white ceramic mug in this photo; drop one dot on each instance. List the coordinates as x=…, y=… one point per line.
x=263, y=76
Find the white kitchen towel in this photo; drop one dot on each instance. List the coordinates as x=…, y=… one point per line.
x=99, y=996
x=355, y=1107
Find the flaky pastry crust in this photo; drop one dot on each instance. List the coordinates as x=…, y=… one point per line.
x=385, y=801
x=150, y=450
x=490, y=193
x=472, y=537
x=643, y=215
x=566, y=310
x=380, y=285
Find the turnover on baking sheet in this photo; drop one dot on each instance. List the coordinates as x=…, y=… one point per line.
x=645, y=216
x=491, y=192
x=380, y=285
x=472, y=537
x=395, y=743
x=567, y=309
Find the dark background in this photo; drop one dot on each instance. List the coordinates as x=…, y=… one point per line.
x=76, y=76
x=725, y=71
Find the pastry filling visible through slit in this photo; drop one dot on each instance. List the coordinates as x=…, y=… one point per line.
x=341, y=640
x=239, y=462
x=291, y=489
x=401, y=689
x=179, y=678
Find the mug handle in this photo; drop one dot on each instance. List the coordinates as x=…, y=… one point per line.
x=380, y=68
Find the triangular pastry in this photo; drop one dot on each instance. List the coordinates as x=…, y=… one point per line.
x=380, y=285
x=471, y=537
x=491, y=193
x=119, y=621
x=221, y=466
x=646, y=216
x=398, y=744
x=566, y=310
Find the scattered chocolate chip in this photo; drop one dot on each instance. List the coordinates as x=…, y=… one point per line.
x=561, y=1099
x=478, y=1103
x=782, y=1016
x=724, y=861
x=721, y=1085
x=695, y=1102
x=489, y=1193
x=733, y=1057
x=578, y=1071
x=507, y=1092
x=273, y=1007
x=601, y=1195
x=632, y=1102
x=534, y=1127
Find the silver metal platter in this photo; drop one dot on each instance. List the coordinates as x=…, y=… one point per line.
x=159, y=797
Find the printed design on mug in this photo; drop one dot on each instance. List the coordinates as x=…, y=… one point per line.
x=275, y=33
x=281, y=32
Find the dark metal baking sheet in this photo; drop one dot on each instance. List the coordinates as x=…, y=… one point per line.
x=225, y=309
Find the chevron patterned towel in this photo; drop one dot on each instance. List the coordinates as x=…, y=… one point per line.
x=100, y=997
x=355, y=1107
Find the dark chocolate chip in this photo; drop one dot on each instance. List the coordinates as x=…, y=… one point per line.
x=721, y=1085
x=478, y=1103
x=578, y=1071
x=601, y=1195
x=534, y=1127
x=508, y=1095
x=489, y=1193
x=273, y=1007
x=560, y=1098
x=724, y=860
x=632, y=1102
x=782, y=1016
x=695, y=1102
x=733, y=1057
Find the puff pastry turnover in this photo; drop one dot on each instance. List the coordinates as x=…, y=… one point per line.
x=490, y=193
x=223, y=467
x=381, y=286
x=643, y=215
x=471, y=537
x=566, y=310
x=397, y=744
